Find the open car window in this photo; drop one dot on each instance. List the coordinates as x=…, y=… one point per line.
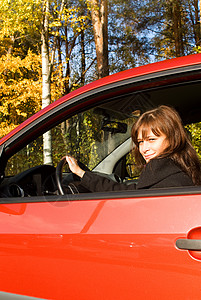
x=94, y=137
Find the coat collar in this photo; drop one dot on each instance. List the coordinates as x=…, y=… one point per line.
x=155, y=171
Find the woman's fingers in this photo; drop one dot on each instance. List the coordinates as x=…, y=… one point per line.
x=73, y=165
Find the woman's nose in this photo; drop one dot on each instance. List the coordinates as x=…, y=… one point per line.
x=145, y=147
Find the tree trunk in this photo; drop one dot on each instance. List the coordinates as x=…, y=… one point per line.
x=99, y=15
x=83, y=61
x=177, y=27
x=46, y=84
x=67, y=73
x=199, y=22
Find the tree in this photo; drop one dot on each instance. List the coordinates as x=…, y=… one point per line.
x=194, y=10
x=20, y=69
x=58, y=15
x=128, y=38
x=99, y=15
x=20, y=89
x=173, y=27
x=19, y=26
x=46, y=78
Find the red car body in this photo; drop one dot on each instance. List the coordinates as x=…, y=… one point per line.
x=115, y=245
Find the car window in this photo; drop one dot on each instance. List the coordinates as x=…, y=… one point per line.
x=89, y=136
x=98, y=137
x=93, y=135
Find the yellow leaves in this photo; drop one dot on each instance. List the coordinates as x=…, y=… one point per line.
x=20, y=89
x=20, y=72
x=12, y=67
x=5, y=128
x=21, y=100
x=33, y=62
x=92, y=4
x=69, y=16
x=18, y=16
x=55, y=24
x=197, y=49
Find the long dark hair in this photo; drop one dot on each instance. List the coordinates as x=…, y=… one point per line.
x=165, y=120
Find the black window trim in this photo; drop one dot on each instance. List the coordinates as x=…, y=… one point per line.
x=112, y=195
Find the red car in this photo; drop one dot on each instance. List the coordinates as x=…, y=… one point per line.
x=56, y=243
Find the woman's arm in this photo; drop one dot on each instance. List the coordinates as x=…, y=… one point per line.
x=94, y=182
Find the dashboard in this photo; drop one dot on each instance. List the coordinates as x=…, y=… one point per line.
x=36, y=181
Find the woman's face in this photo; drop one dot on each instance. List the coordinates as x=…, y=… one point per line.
x=151, y=146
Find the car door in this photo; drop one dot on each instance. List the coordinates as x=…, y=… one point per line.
x=110, y=245
x=124, y=246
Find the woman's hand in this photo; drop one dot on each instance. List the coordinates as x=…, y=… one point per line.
x=73, y=165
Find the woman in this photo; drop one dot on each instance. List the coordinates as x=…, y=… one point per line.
x=162, y=149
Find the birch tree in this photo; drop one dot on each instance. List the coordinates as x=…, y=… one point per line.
x=47, y=65
x=46, y=79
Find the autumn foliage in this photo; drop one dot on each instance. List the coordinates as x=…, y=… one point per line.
x=20, y=89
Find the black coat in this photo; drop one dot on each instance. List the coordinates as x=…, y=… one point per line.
x=158, y=173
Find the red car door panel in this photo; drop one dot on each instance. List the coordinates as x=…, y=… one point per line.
x=101, y=249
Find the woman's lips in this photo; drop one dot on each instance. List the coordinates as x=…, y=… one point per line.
x=148, y=157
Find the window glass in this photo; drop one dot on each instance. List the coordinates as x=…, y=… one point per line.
x=89, y=136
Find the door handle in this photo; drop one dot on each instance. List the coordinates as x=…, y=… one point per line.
x=189, y=244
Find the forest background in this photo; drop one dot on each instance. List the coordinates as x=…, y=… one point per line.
x=49, y=48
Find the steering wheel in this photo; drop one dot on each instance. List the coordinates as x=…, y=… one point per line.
x=71, y=187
